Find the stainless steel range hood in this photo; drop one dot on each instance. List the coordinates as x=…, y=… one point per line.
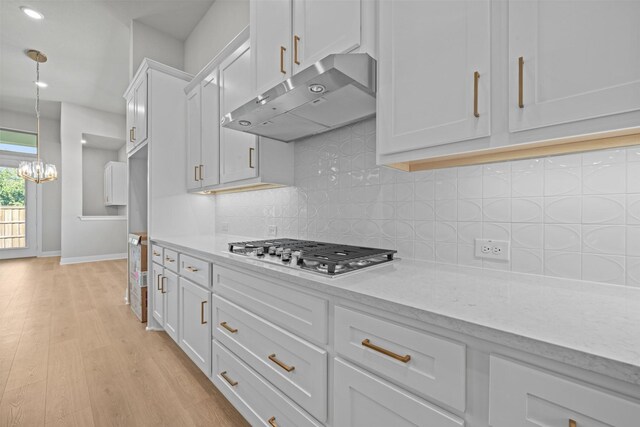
x=333, y=92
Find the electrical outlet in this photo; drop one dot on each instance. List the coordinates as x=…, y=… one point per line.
x=224, y=227
x=272, y=231
x=493, y=249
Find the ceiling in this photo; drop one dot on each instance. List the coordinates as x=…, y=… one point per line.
x=87, y=42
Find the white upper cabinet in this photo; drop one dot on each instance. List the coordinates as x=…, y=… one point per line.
x=115, y=184
x=323, y=27
x=434, y=73
x=194, y=138
x=237, y=149
x=580, y=60
x=140, y=127
x=271, y=42
x=209, y=172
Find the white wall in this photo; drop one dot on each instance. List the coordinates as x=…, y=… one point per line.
x=222, y=22
x=147, y=42
x=86, y=240
x=50, y=192
x=93, y=163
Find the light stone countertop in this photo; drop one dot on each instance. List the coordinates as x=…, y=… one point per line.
x=585, y=324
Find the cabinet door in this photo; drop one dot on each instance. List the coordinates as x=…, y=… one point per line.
x=270, y=22
x=107, y=184
x=580, y=60
x=210, y=146
x=140, y=131
x=321, y=28
x=131, y=119
x=237, y=149
x=171, y=307
x=195, y=326
x=429, y=54
x=194, y=139
x=363, y=400
x=158, y=294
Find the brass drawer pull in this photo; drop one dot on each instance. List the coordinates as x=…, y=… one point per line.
x=158, y=281
x=155, y=253
x=231, y=382
x=403, y=359
x=520, y=82
x=228, y=328
x=572, y=423
x=202, y=321
x=251, y=150
x=476, y=77
x=279, y=363
x=162, y=290
x=282, y=51
x=191, y=269
x=272, y=421
x=169, y=259
x=296, y=39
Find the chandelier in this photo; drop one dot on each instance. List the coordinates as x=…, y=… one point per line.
x=37, y=171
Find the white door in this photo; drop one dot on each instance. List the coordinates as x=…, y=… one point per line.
x=579, y=60
x=270, y=42
x=158, y=293
x=321, y=28
x=237, y=149
x=171, y=307
x=194, y=138
x=210, y=147
x=131, y=119
x=195, y=324
x=429, y=54
x=362, y=400
x=140, y=131
x=18, y=234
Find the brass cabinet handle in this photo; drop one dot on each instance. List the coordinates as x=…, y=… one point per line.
x=231, y=382
x=403, y=359
x=162, y=280
x=155, y=253
x=272, y=421
x=520, y=83
x=287, y=368
x=476, y=77
x=131, y=135
x=191, y=269
x=169, y=259
x=158, y=281
x=572, y=423
x=282, y=51
x=251, y=150
x=195, y=173
x=200, y=172
x=202, y=321
x=134, y=132
x=296, y=39
x=228, y=328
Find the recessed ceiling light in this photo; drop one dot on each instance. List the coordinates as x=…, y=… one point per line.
x=84, y=141
x=31, y=13
x=316, y=88
x=41, y=84
x=244, y=123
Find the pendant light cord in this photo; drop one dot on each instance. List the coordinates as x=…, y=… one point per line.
x=38, y=110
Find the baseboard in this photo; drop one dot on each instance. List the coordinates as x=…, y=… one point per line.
x=48, y=254
x=91, y=258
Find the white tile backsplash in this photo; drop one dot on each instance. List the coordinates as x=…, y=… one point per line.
x=575, y=216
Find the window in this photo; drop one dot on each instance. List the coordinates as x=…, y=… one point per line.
x=17, y=142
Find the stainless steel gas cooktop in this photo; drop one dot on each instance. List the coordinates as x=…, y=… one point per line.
x=327, y=259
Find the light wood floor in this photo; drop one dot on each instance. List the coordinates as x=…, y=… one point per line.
x=71, y=353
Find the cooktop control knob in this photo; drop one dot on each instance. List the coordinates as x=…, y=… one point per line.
x=260, y=251
x=272, y=250
x=279, y=251
x=286, y=255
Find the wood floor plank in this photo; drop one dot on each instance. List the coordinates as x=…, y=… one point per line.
x=23, y=406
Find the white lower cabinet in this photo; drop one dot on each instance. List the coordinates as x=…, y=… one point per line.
x=363, y=400
x=524, y=396
x=195, y=325
x=165, y=299
x=253, y=396
x=158, y=294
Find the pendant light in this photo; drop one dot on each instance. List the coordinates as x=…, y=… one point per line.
x=37, y=171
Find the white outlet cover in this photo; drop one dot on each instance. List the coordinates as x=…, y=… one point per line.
x=272, y=231
x=498, y=250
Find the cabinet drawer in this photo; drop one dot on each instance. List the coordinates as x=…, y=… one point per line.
x=362, y=400
x=432, y=366
x=263, y=400
x=157, y=253
x=196, y=270
x=524, y=396
x=298, y=312
x=170, y=260
x=297, y=368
